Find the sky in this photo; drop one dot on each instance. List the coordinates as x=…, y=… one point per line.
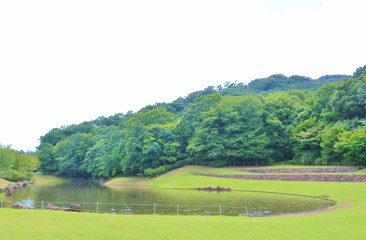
x=65, y=62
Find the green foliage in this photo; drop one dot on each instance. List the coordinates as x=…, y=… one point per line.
x=153, y=172
x=279, y=82
x=15, y=166
x=352, y=145
x=361, y=71
x=328, y=138
x=231, y=132
x=223, y=126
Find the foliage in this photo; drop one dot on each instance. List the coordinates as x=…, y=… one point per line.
x=15, y=166
x=153, y=172
x=270, y=120
x=231, y=132
x=352, y=145
x=279, y=82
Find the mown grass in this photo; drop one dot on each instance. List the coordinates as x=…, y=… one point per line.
x=361, y=171
x=128, y=181
x=347, y=223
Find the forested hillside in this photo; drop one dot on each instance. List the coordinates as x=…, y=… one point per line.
x=269, y=120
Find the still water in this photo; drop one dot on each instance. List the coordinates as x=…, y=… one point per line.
x=149, y=200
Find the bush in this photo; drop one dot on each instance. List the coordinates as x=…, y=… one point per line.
x=153, y=172
x=13, y=175
x=218, y=163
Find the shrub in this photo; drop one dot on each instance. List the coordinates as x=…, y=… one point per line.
x=153, y=172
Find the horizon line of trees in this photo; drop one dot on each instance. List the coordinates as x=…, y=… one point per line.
x=255, y=124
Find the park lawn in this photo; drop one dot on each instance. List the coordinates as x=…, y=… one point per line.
x=347, y=223
x=361, y=171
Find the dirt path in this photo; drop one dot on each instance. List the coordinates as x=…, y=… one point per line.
x=345, y=204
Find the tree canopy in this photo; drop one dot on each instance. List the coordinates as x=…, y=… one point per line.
x=269, y=120
x=16, y=166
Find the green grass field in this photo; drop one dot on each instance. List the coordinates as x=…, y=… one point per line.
x=346, y=223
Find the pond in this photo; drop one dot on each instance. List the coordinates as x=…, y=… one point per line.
x=149, y=200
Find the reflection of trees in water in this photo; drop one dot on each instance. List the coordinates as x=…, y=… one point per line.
x=140, y=200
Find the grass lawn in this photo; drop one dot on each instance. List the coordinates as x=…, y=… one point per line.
x=347, y=223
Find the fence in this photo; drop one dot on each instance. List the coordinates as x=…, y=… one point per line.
x=147, y=209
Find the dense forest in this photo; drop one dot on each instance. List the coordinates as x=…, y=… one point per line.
x=274, y=119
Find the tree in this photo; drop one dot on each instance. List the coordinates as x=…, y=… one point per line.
x=15, y=166
x=328, y=138
x=282, y=111
x=190, y=121
x=70, y=153
x=307, y=142
x=352, y=145
x=46, y=156
x=231, y=133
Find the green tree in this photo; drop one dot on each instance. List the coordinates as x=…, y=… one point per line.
x=46, y=156
x=328, y=138
x=190, y=121
x=231, y=133
x=352, y=145
x=15, y=166
x=307, y=141
x=70, y=153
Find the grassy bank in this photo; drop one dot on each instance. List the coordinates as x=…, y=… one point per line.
x=3, y=183
x=347, y=223
x=41, y=180
x=47, y=180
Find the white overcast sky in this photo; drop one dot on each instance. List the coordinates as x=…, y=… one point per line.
x=69, y=61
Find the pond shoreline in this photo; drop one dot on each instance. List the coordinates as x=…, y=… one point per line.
x=345, y=204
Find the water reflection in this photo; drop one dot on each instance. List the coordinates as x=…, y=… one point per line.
x=149, y=200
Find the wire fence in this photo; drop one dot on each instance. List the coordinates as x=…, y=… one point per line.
x=131, y=209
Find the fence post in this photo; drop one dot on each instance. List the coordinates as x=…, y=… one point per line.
x=246, y=211
x=154, y=208
x=220, y=209
x=42, y=205
x=177, y=209
x=2, y=201
x=97, y=210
